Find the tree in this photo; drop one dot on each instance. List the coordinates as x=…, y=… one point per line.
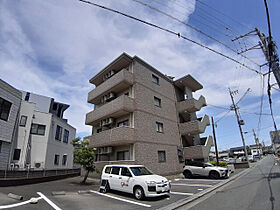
x=84, y=156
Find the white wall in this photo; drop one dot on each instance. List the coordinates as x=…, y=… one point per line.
x=59, y=147
x=42, y=102
x=26, y=109
x=39, y=143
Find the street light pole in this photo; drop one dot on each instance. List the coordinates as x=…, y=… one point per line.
x=235, y=108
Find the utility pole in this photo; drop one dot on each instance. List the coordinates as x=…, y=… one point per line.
x=257, y=141
x=216, y=147
x=269, y=51
x=240, y=122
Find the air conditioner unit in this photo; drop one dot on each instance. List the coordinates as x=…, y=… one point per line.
x=109, y=97
x=107, y=121
x=38, y=164
x=105, y=150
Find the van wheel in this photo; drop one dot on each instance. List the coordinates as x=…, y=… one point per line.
x=187, y=174
x=139, y=193
x=214, y=175
x=106, y=189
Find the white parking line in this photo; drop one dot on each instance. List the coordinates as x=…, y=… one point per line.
x=17, y=204
x=199, y=189
x=180, y=193
x=48, y=201
x=121, y=199
x=191, y=185
x=199, y=180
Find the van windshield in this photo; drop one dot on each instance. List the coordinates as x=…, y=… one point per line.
x=140, y=171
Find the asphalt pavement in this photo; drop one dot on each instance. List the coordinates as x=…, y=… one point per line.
x=259, y=189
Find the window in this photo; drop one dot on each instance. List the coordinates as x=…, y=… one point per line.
x=157, y=101
x=99, y=130
x=38, y=129
x=123, y=123
x=65, y=136
x=125, y=172
x=16, y=154
x=27, y=96
x=0, y=146
x=161, y=156
x=64, y=160
x=22, y=121
x=159, y=127
x=107, y=170
x=56, y=159
x=123, y=155
x=115, y=170
x=155, y=79
x=58, y=133
x=5, y=107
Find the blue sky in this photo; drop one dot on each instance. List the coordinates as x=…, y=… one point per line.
x=54, y=47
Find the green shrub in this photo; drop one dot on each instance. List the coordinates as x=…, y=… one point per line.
x=221, y=163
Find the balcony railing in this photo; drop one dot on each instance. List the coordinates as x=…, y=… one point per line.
x=113, y=137
x=191, y=105
x=194, y=127
x=199, y=151
x=117, y=83
x=116, y=108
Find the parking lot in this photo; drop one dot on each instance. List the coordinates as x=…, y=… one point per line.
x=69, y=194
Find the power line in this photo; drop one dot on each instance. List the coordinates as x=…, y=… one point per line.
x=223, y=14
x=194, y=28
x=171, y=32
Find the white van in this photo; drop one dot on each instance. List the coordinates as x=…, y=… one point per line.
x=135, y=179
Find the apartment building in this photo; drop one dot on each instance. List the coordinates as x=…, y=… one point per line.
x=44, y=136
x=10, y=99
x=142, y=116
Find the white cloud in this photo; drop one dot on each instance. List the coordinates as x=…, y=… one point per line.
x=54, y=47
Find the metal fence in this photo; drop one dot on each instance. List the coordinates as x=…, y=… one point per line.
x=8, y=174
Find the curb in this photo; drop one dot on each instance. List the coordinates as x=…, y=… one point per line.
x=196, y=196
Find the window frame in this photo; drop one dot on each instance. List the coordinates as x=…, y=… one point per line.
x=164, y=156
x=155, y=79
x=64, y=133
x=64, y=161
x=21, y=119
x=5, y=108
x=157, y=101
x=17, y=153
x=159, y=127
x=37, y=129
x=123, y=123
x=56, y=162
x=59, y=137
x=123, y=152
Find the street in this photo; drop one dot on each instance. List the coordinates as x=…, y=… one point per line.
x=257, y=190
x=50, y=195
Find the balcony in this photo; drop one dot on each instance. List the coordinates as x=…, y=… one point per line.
x=116, y=108
x=191, y=105
x=195, y=126
x=113, y=137
x=199, y=151
x=117, y=83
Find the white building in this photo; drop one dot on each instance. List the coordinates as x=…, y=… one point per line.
x=44, y=137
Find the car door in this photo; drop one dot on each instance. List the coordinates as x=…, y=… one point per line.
x=196, y=168
x=126, y=180
x=114, y=178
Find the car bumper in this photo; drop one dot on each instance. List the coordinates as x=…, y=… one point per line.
x=159, y=190
x=156, y=194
